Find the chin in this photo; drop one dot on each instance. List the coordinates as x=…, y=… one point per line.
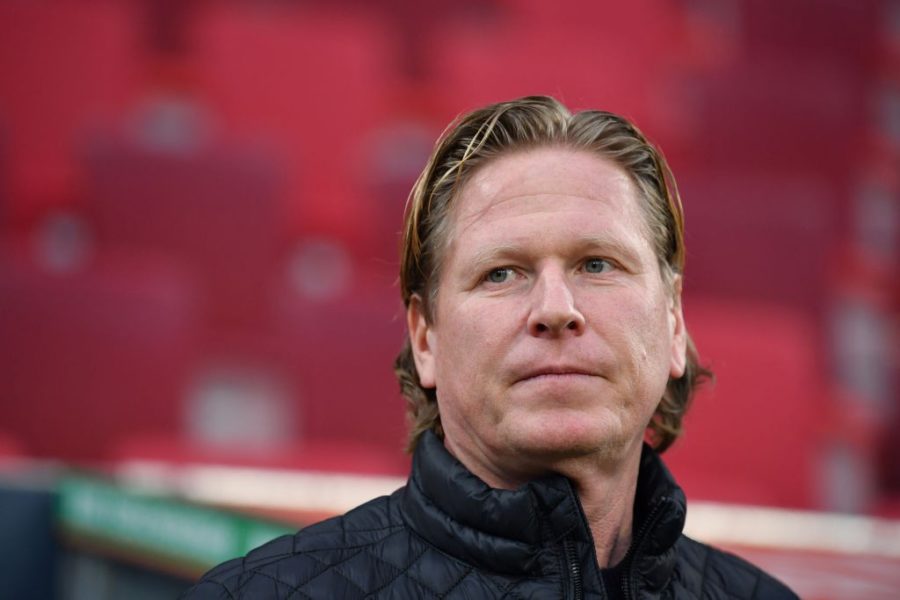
x=566, y=436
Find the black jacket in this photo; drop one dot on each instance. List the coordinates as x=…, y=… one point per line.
x=448, y=535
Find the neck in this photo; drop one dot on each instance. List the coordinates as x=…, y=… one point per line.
x=606, y=488
x=607, y=499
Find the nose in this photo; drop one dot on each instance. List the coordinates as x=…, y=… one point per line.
x=554, y=312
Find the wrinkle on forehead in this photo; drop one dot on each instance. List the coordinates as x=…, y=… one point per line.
x=517, y=175
x=518, y=180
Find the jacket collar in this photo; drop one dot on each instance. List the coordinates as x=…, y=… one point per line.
x=517, y=532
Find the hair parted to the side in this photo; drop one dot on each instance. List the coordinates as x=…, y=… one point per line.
x=499, y=129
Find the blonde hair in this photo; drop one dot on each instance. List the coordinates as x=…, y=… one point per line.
x=534, y=121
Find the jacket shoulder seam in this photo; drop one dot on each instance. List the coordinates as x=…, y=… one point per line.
x=344, y=531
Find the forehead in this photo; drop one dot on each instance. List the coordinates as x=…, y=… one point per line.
x=550, y=183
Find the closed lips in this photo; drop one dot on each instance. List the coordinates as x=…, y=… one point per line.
x=557, y=372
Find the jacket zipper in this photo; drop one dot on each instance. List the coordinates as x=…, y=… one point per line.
x=639, y=542
x=574, y=568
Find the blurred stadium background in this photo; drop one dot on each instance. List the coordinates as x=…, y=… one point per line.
x=199, y=207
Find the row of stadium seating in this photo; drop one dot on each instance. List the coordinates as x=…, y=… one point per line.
x=115, y=359
x=198, y=239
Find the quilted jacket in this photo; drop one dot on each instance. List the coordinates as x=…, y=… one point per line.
x=448, y=535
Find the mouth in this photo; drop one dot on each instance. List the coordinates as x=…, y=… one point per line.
x=551, y=373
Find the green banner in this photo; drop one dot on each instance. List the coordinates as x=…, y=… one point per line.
x=169, y=529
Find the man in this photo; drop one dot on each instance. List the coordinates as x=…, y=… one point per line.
x=541, y=269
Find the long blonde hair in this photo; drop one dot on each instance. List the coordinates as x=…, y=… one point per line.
x=534, y=121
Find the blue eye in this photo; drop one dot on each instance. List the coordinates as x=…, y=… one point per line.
x=500, y=275
x=596, y=265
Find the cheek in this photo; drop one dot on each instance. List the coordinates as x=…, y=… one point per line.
x=472, y=343
x=642, y=331
x=456, y=338
x=464, y=369
x=657, y=352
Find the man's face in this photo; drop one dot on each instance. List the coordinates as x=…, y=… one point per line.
x=554, y=333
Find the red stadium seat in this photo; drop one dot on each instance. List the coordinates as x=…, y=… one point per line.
x=755, y=436
x=778, y=112
x=218, y=212
x=5, y=197
x=759, y=236
x=831, y=32
x=65, y=66
x=576, y=55
x=90, y=356
x=312, y=82
x=10, y=447
x=340, y=355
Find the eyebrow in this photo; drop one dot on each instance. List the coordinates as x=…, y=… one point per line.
x=606, y=243
x=585, y=244
x=483, y=257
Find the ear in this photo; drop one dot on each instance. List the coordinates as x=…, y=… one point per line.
x=420, y=339
x=677, y=330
